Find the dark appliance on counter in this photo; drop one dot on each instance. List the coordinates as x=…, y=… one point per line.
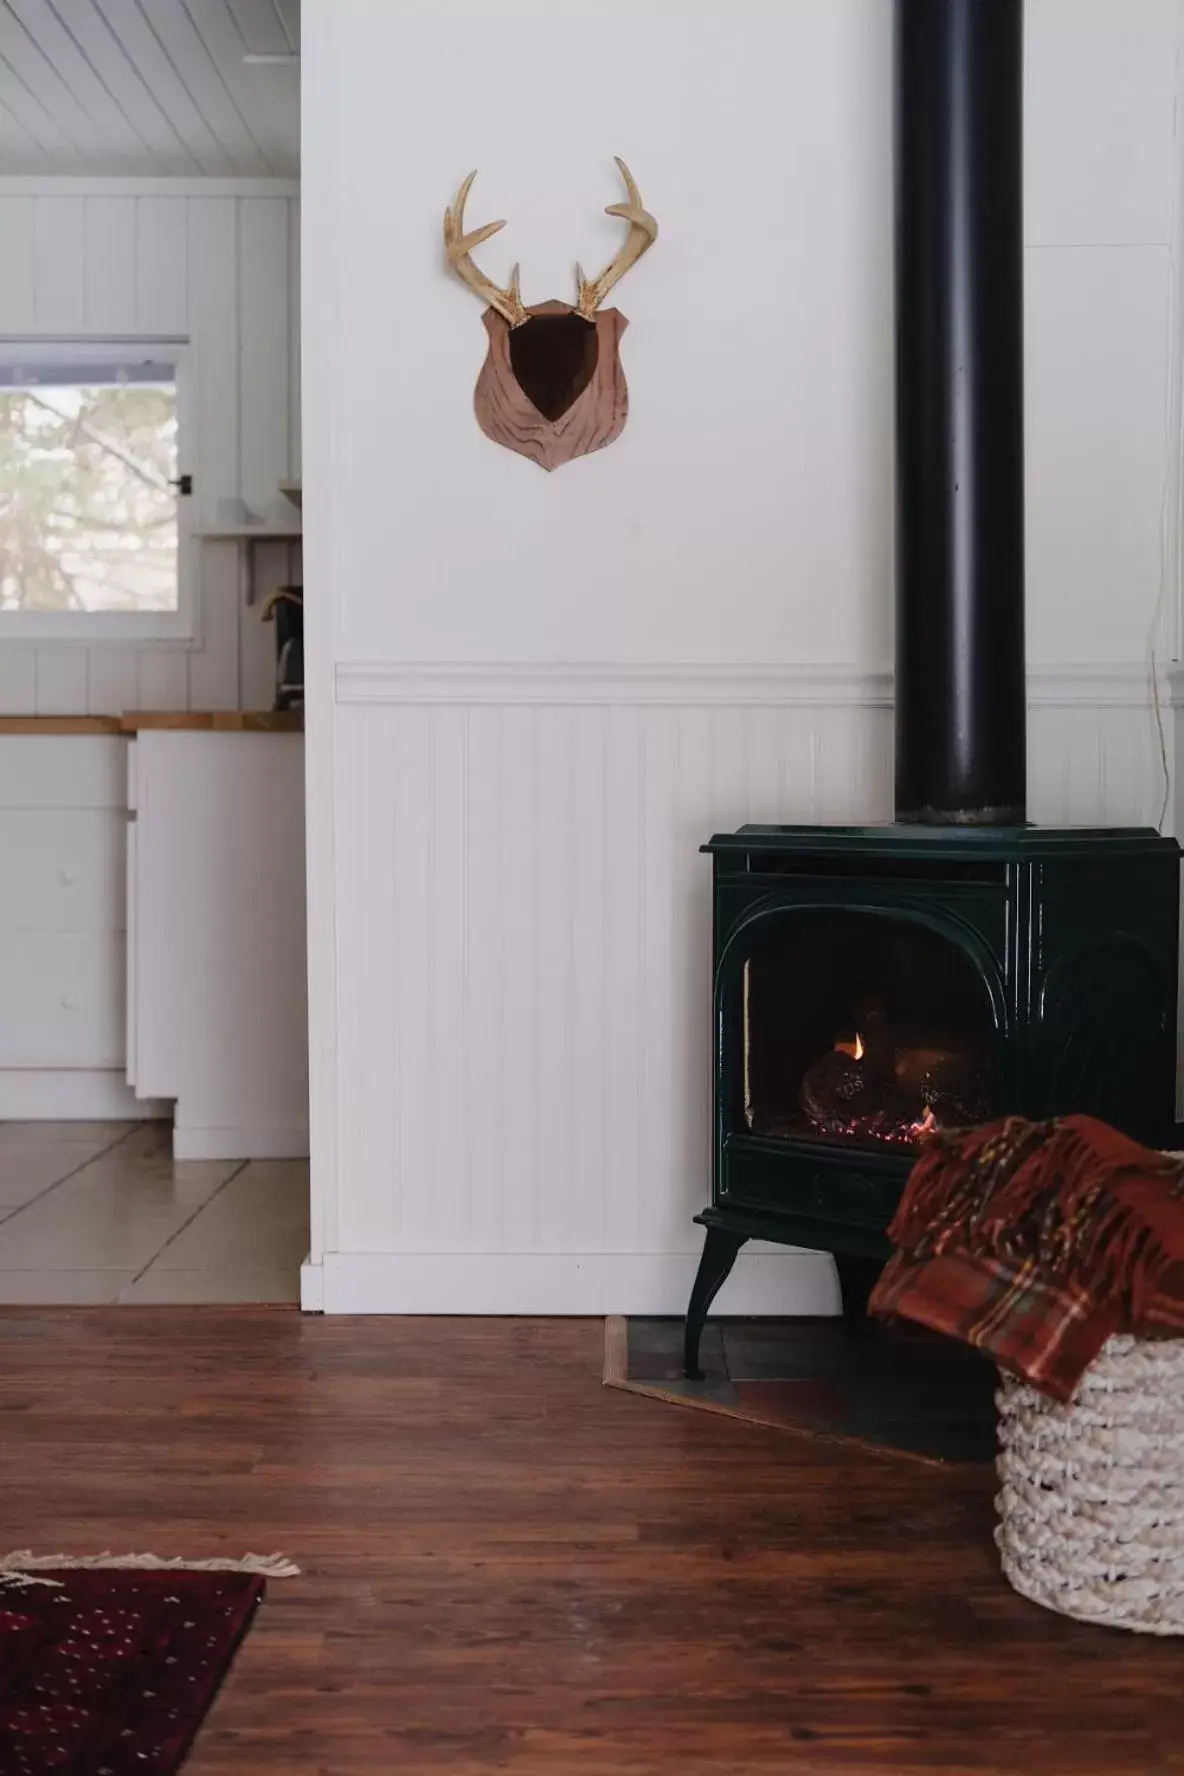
x=285, y=609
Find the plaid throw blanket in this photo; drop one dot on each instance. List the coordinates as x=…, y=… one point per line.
x=1035, y=1241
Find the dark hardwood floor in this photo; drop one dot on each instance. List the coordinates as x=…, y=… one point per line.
x=509, y=1567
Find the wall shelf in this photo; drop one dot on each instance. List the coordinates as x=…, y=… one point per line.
x=251, y=533
x=244, y=535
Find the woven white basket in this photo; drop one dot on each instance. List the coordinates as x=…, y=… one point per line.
x=1091, y=1503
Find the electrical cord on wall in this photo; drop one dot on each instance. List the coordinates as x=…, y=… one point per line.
x=1169, y=504
x=1167, y=508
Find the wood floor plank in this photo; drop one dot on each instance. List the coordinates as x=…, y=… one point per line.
x=507, y=1567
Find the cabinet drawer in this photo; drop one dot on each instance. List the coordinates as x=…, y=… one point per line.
x=62, y=771
x=63, y=870
x=63, y=997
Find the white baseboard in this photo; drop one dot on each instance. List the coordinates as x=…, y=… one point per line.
x=239, y=1143
x=73, y=1094
x=312, y=1287
x=764, y=1282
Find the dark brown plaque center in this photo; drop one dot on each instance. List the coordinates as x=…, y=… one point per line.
x=553, y=358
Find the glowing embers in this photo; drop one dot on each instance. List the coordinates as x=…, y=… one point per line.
x=892, y=1084
x=862, y=1030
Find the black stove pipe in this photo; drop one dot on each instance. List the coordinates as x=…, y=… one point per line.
x=960, y=692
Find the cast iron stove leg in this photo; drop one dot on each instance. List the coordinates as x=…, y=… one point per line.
x=719, y=1254
x=857, y=1278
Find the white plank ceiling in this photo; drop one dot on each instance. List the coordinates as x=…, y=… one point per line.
x=148, y=88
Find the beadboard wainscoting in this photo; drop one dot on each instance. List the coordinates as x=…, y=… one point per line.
x=213, y=262
x=521, y=1120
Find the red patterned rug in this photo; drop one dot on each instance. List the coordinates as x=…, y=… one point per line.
x=106, y=1673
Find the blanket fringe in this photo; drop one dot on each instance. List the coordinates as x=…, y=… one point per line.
x=24, y=1561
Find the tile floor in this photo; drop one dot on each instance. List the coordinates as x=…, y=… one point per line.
x=96, y=1213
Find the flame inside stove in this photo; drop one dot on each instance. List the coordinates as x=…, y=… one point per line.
x=870, y=1101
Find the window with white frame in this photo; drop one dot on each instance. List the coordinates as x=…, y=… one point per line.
x=91, y=485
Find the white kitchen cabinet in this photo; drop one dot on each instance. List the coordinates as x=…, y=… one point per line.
x=62, y=832
x=69, y=989
x=217, y=1011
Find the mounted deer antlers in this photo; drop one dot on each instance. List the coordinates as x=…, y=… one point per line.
x=555, y=390
x=643, y=232
x=459, y=246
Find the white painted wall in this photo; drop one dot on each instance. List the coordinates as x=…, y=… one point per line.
x=215, y=262
x=532, y=697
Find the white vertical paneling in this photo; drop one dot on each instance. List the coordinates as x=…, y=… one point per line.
x=61, y=680
x=264, y=362
x=110, y=253
x=162, y=266
x=519, y=863
x=525, y=918
x=213, y=307
x=18, y=264
x=593, y=1143
x=18, y=681
x=161, y=678
x=485, y=891
x=656, y=1113
x=558, y=1112
x=112, y=681
x=444, y=865
x=213, y=664
x=373, y=1155
x=60, y=261
x=171, y=266
x=213, y=303
x=620, y=952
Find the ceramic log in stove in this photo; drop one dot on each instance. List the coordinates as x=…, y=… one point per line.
x=874, y=983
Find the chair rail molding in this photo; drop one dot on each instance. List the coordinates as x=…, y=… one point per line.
x=825, y=684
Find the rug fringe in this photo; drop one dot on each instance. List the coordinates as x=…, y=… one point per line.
x=268, y=1566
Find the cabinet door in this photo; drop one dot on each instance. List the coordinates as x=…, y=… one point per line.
x=217, y=974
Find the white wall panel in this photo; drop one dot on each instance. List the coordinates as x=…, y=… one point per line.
x=161, y=678
x=525, y=918
x=110, y=264
x=18, y=269
x=59, y=248
x=1100, y=88
x=218, y=270
x=212, y=245
x=264, y=365
x=163, y=266
x=18, y=680
x=61, y=680
x=112, y=680
x=1097, y=448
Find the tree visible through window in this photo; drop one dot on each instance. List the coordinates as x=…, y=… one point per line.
x=88, y=512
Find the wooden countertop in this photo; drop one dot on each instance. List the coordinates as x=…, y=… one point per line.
x=210, y=721
x=217, y=721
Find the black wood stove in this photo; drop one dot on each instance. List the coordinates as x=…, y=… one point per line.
x=874, y=983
